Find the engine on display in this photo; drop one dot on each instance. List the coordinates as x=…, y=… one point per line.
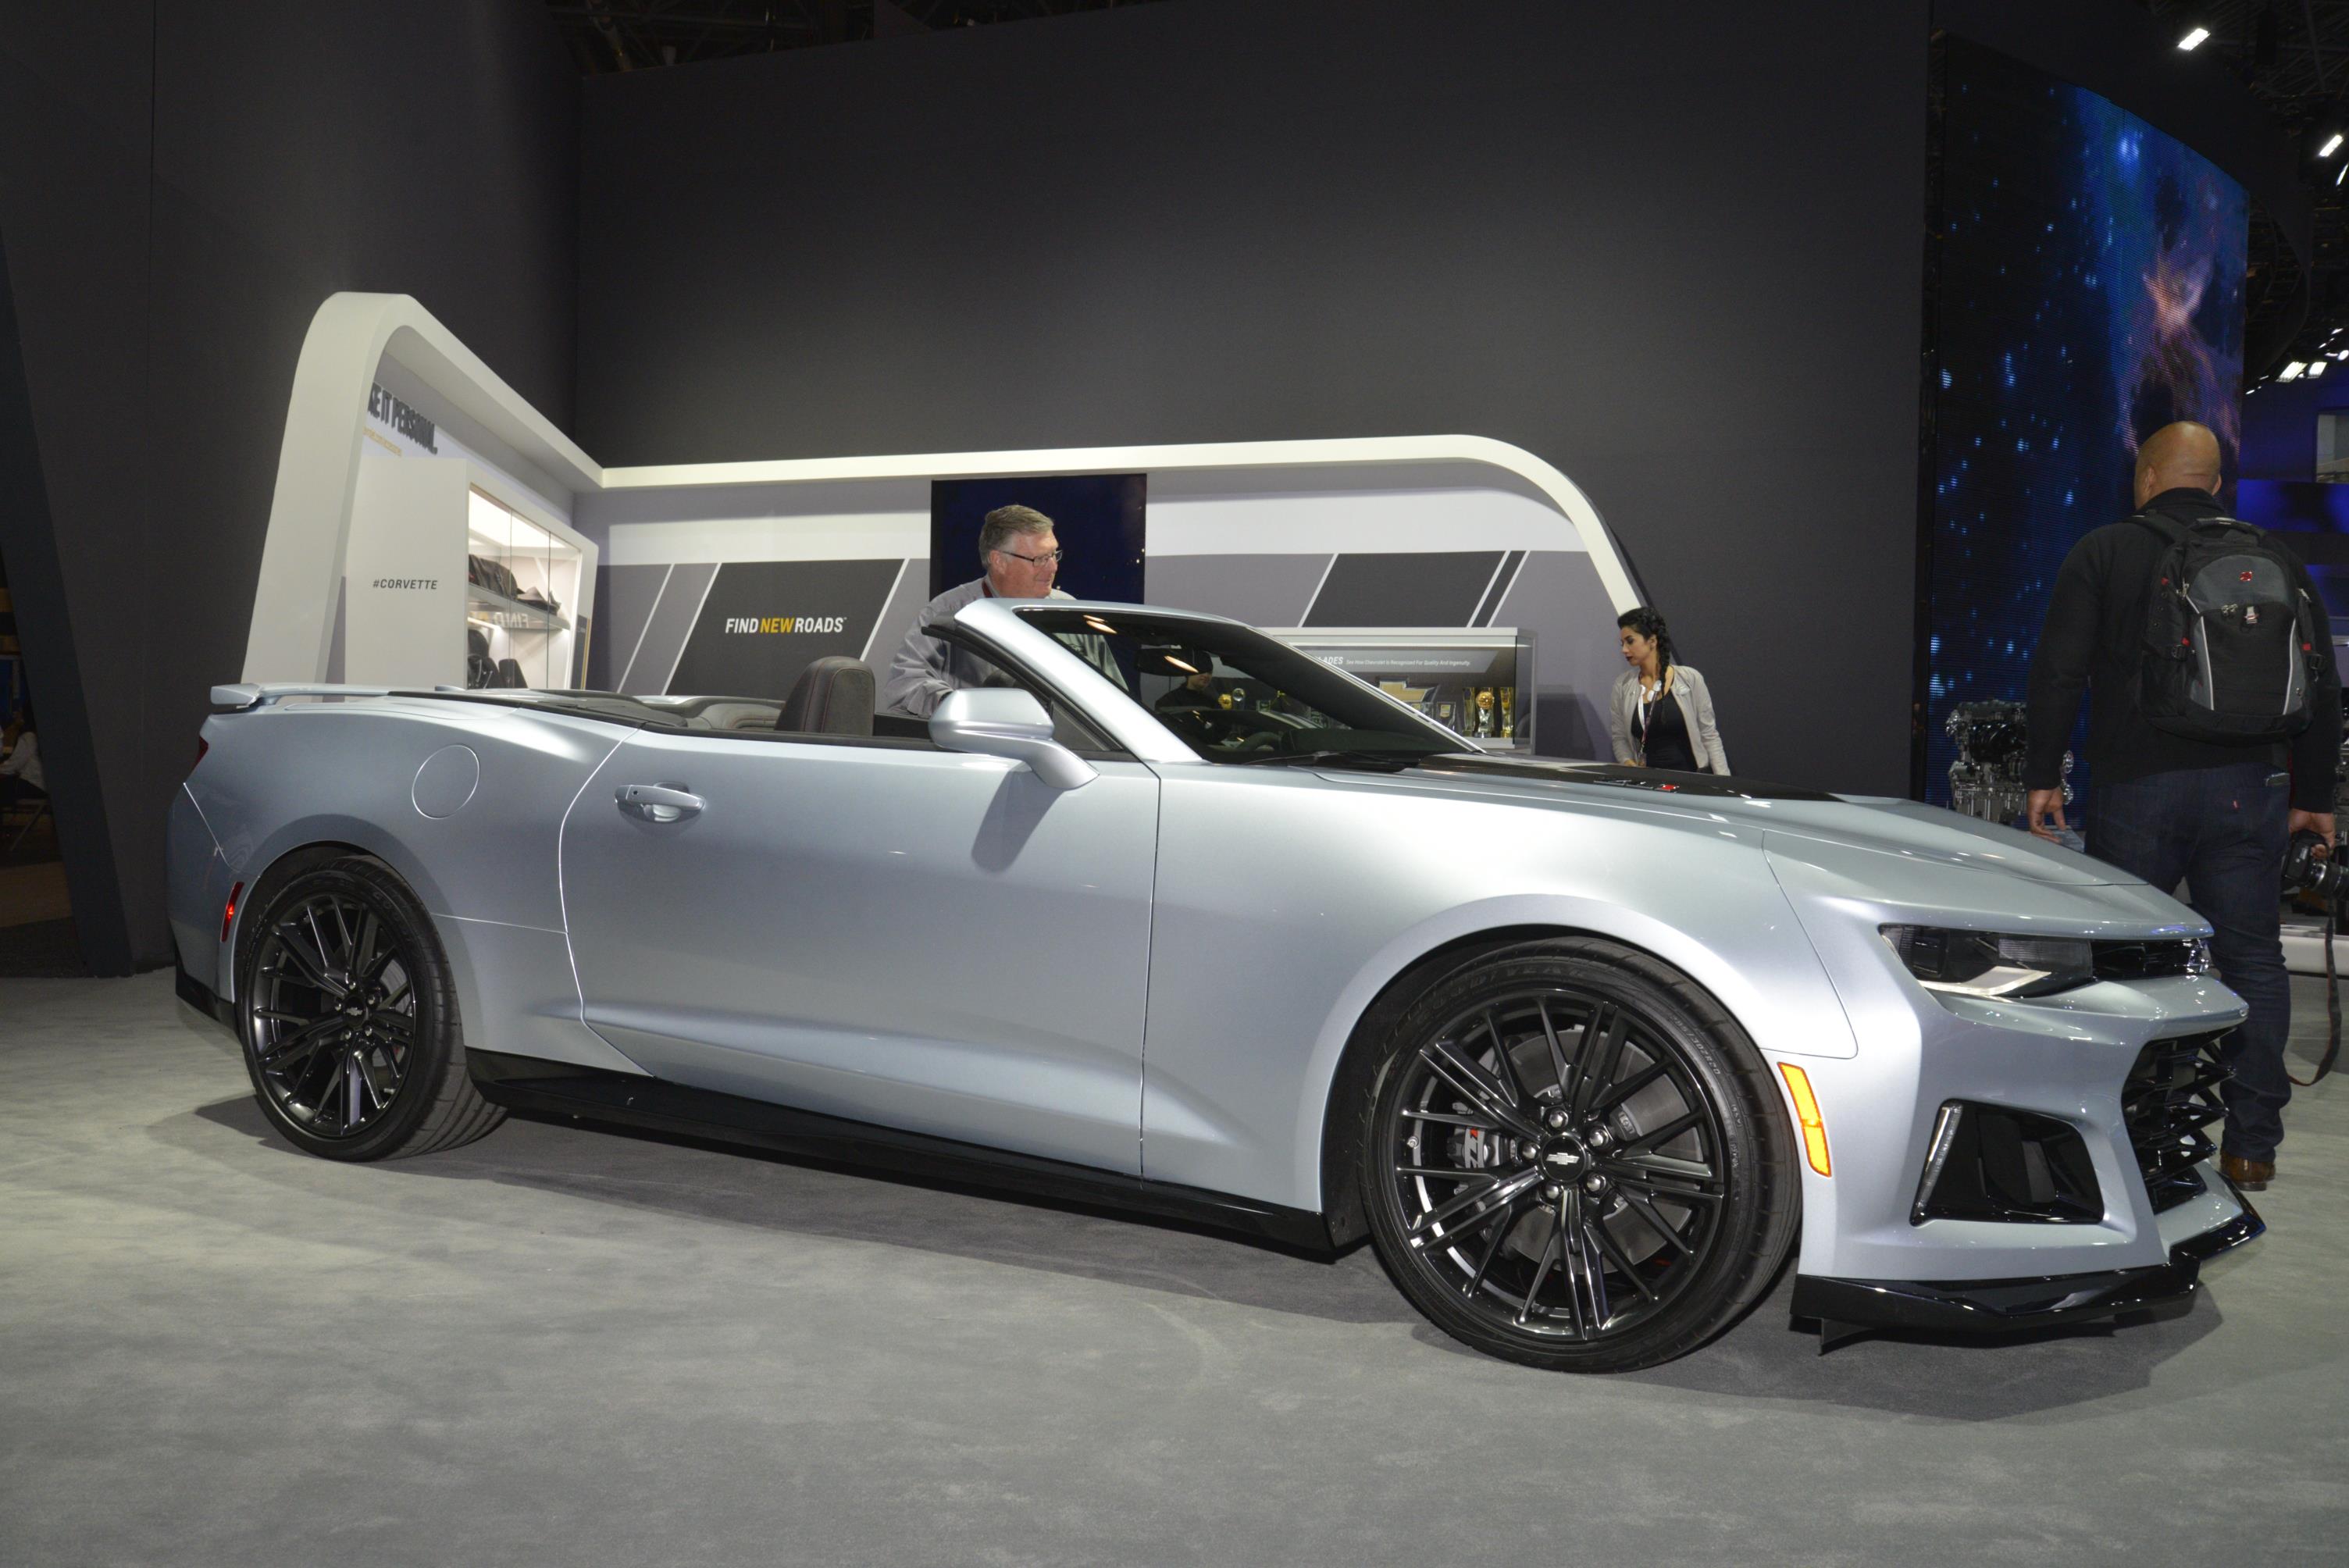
x=1986, y=780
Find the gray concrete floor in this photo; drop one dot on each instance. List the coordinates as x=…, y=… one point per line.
x=577, y=1346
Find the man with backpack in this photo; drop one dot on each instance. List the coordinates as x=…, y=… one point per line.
x=2215, y=735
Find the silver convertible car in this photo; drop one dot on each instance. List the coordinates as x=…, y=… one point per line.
x=1171, y=917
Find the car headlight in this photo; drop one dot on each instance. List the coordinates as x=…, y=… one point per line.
x=1983, y=964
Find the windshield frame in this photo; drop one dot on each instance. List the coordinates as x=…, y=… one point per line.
x=1095, y=692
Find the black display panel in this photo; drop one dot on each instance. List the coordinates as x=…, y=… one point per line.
x=2087, y=290
x=1098, y=519
x=764, y=621
x=1439, y=588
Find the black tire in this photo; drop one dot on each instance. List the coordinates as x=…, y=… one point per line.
x=1572, y=1157
x=349, y=1019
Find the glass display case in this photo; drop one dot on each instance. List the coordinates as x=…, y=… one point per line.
x=1477, y=681
x=521, y=601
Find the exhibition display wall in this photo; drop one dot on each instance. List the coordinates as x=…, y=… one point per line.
x=446, y=534
x=2087, y=290
x=735, y=587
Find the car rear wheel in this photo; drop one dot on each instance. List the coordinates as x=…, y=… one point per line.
x=1575, y=1159
x=350, y=1021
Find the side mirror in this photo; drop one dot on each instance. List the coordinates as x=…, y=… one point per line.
x=997, y=722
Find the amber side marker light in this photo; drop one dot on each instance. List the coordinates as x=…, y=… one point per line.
x=1807, y=1107
x=228, y=915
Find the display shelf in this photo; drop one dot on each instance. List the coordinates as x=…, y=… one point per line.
x=496, y=610
x=516, y=552
x=1477, y=681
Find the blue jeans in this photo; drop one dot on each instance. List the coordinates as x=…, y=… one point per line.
x=2222, y=830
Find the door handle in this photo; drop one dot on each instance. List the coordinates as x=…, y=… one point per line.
x=660, y=803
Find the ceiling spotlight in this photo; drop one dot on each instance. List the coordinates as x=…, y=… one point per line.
x=2291, y=372
x=2194, y=39
x=2332, y=146
x=2315, y=368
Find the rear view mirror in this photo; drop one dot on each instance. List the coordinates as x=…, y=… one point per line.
x=993, y=722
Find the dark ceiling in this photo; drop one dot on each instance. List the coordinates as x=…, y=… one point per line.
x=2293, y=55
x=633, y=35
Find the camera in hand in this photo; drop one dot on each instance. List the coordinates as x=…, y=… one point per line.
x=2308, y=864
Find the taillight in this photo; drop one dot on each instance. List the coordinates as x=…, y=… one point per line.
x=202, y=746
x=228, y=915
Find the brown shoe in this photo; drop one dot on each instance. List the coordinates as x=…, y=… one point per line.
x=2250, y=1175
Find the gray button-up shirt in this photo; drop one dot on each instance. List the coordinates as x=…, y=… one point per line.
x=926, y=668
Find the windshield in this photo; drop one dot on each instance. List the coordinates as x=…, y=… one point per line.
x=1233, y=695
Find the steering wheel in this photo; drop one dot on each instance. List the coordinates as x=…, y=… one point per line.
x=1223, y=730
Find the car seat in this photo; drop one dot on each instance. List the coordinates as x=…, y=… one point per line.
x=480, y=670
x=833, y=696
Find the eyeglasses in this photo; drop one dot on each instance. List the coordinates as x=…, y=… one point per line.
x=1050, y=557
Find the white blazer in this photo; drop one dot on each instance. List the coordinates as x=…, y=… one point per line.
x=1688, y=688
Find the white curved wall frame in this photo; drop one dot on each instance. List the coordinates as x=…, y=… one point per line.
x=318, y=463
x=1354, y=454
x=317, y=471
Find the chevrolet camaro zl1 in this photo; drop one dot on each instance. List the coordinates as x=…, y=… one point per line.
x=1169, y=916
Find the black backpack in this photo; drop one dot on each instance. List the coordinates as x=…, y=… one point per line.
x=2233, y=645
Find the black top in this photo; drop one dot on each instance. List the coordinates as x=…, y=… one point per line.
x=2095, y=631
x=1664, y=740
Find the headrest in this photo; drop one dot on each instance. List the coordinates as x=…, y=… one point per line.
x=833, y=696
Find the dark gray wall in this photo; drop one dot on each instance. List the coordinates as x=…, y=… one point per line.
x=185, y=185
x=1675, y=250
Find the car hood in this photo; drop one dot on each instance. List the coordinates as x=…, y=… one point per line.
x=1881, y=824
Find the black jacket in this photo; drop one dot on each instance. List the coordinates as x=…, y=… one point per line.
x=2095, y=628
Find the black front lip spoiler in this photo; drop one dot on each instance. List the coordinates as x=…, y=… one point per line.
x=2015, y=1305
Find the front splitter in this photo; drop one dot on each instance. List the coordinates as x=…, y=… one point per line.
x=1845, y=1306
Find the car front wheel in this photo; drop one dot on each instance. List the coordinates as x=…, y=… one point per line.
x=1574, y=1158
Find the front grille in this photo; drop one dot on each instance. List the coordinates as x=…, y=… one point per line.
x=2171, y=1095
x=2143, y=960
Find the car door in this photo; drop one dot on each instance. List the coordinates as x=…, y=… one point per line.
x=874, y=929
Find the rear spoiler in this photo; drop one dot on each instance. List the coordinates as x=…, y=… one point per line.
x=245, y=696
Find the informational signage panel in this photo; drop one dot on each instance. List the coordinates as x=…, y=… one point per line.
x=764, y=622
x=403, y=575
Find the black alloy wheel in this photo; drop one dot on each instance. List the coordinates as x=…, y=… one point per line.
x=348, y=1019
x=1575, y=1159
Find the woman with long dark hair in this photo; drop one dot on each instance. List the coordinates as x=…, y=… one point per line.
x=1663, y=713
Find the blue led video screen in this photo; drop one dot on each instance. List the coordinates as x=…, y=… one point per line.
x=2087, y=289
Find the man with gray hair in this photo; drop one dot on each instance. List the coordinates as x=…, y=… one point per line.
x=1021, y=555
